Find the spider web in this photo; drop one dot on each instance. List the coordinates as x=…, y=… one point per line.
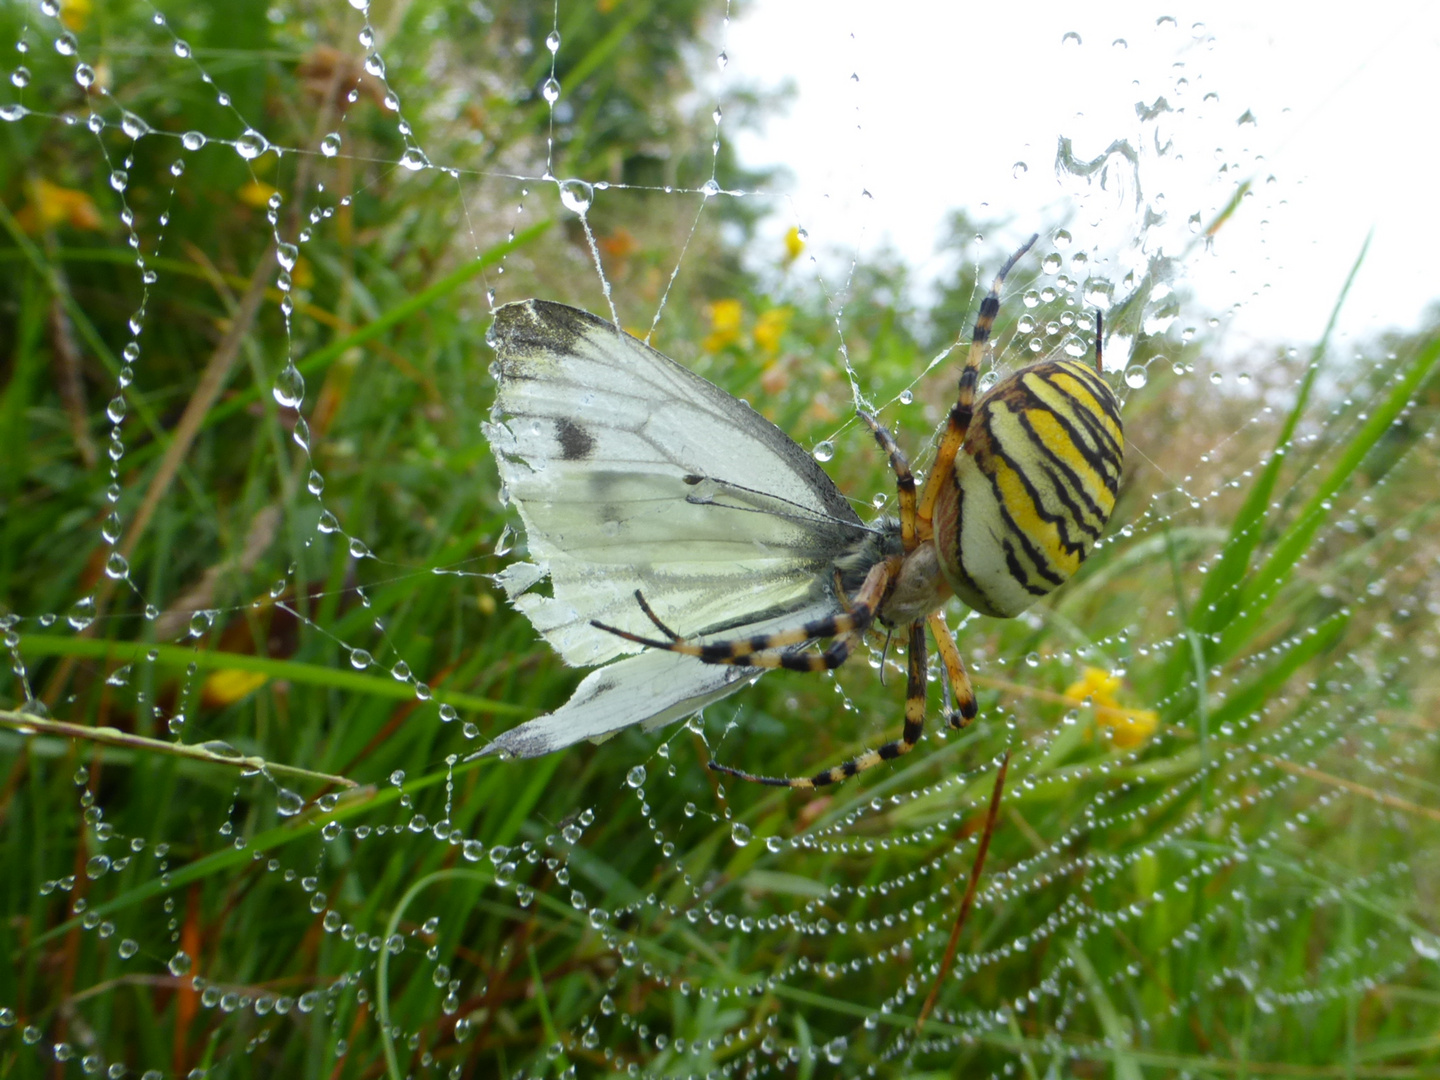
x=251, y=257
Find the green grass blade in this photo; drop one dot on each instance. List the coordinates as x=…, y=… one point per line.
x=1220, y=598
x=1260, y=590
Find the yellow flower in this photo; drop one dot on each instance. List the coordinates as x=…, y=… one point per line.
x=228, y=685
x=725, y=316
x=51, y=205
x=770, y=326
x=75, y=13
x=1129, y=728
x=794, y=244
x=256, y=193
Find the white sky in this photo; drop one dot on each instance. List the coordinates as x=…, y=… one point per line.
x=949, y=97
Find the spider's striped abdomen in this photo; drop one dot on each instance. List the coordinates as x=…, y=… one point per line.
x=1033, y=487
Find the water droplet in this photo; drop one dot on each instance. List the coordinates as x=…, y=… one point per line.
x=251, y=144
x=1135, y=376
x=179, y=964
x=414, y=159
x=636, y=776
x=66, y=45
x=192, y=140
x=82, y=614
x=550, y=90
x=133, y=126
x=1098, y=293
x=85, y=75
x=97, y=866
x=13, y=112
x=1070, y=38
x=182, y=49
x=824, y=450
x=506, y=541
x=576, y=195
x=290, y=387
x=552, y=41
x=360, y=659
x=288, y=803
x=116, y=567
x=1019, y=169
x=740, y=834
x=330, y=144
x=128, y=948
x=119, y=178
x=1427, y=946
x=20, y=77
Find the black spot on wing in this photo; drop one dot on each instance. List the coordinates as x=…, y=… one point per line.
x=576, y=444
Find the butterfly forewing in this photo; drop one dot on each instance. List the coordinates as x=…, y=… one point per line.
x=632, y=473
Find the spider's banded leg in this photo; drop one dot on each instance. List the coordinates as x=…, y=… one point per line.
x=1099, y=335
x=640, y=599
x=904, y=480
x=758, y=651
x=960, y=688
x=964, y=407
x=914, y=725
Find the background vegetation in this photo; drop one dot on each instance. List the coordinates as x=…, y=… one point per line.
x=1217, y=853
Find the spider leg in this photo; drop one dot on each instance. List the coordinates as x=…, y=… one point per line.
x=958, y=425
x=959, y=680
x=1099, y=333
x=914, y=726
x=640, y=599
x=758, y=651
x=904, y=480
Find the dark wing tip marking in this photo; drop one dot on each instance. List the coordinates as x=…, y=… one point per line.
x=529, y=326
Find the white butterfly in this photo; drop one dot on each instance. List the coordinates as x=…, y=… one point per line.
x=634, y=475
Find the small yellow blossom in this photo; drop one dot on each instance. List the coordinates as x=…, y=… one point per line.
x=51, y=205
x=75, y=14
x=256, y=193
x=1129, y=728
x=794, y=244
x=228, y=685
x=770, y=326
x=725, y=316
